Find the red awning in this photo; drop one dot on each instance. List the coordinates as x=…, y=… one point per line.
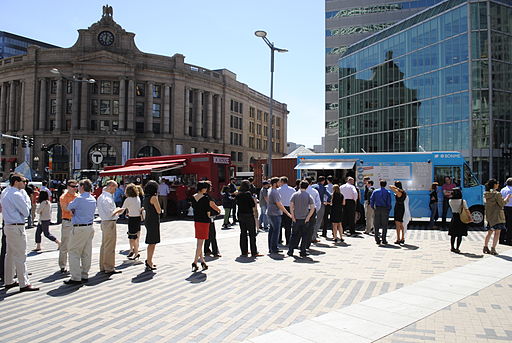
x=142, y=169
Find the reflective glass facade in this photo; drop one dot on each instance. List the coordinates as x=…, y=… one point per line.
x=13, y=45
x=441, y=80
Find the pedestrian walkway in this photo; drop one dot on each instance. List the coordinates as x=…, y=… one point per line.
x=241, y=299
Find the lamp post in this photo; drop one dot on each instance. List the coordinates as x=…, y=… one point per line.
x=273, y=48
x=76, y=79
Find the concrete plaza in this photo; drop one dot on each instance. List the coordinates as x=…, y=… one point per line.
x=355, y=292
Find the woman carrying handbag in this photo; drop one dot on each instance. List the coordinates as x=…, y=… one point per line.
x=494, y=214
x=460, y=219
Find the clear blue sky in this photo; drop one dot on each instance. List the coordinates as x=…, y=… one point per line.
x=211, y=34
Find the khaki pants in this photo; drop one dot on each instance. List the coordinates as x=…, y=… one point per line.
x=108, y=245
x=162, y=200
x=65, y=232
x=16, y=255
x=80, y=251
x=369, y=214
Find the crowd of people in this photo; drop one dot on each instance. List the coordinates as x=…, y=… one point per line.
x=292, y=216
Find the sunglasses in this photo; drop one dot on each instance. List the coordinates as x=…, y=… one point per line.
x=73, y=186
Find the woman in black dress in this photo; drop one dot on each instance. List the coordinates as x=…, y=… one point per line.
x=202, y=205
x=457, y=228
x=151, y=221
x=400, y=196
x=337, y=204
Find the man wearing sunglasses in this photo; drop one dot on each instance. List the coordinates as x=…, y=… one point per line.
x=69, y=195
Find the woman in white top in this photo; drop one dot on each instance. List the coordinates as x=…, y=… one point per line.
x=45, y=214
x=133, y=206
x=457, y=229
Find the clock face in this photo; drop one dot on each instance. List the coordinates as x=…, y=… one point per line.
x=106, y=38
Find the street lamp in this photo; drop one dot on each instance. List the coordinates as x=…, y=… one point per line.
x=74, y=78
x=263, y=35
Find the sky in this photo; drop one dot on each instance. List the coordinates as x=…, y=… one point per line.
x=211, y=34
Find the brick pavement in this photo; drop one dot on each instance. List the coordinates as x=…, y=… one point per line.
x=235, y=300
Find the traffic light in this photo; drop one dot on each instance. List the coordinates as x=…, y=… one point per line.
x=31, y=142
x=24, y=141
x=44, y=147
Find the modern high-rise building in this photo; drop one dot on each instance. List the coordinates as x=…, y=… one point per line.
x=346, y=22
x=14, y=45
x=440, y=80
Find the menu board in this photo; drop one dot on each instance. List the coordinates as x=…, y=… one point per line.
x=414, y=175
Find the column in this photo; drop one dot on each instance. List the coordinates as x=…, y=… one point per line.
x=198, y=112
x=22, y=107
x=209, y=115
x=75, y=124
x=218, y=117
x=130, y=120
x=58, y=113
x=122, y=104
x=42, y=104
x=84, y=105
x=148, y=122
x=167, y=106
x=3, y=97
x=12, y=106
x=186, y=122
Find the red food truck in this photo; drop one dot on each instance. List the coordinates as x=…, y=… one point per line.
x=186, y=169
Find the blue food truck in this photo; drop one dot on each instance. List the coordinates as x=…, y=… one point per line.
x=416, y=170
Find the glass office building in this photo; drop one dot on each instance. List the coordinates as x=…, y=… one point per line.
x=347, y=22
x=14, y=45
x=439, y=80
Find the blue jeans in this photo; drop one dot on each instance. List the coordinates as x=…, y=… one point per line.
x=263, y=216
x=433, y=214
x=273, y=234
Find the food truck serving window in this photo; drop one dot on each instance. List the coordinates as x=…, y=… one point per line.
x=326, y=165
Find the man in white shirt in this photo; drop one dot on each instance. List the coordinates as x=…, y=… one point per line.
x=286, y=193
x=163, y=193
x=506, y=237
x=351, y=196
x=108, y=214
x=318, y=205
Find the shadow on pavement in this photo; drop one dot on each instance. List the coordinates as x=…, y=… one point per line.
x=504, y=257
x=64, y=290
x=307, y=260
x=100, y=277
x=342, y=244
x=128, y=263
x=323, y=245
x=5, y=295
x=316, y=252
x=144, y=276
x=245, y=259
x=410, y=246
x=389, y=246
x=209, y=258
x=471, y=255
x=54, y=277
x=276, y=256
x=197, y=277
x=34, y=253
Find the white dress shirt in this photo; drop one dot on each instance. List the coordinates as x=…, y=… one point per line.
x=286, y=193
x=14, y=206
x=349, y=191
x=506, y=191
x=106, y=205
x=316, y=197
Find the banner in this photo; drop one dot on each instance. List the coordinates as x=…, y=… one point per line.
x=77, y=154
x=126, y=151
x=27, y=154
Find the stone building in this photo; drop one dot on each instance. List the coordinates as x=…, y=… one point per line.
x=135, y=104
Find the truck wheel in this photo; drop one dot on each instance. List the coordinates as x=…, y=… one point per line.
x=477, y=213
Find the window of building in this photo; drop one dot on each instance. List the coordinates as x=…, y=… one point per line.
x=233, y=155
x=278, y=134
x=156, y=127
x=156, y=110
x=139, y=109
x=139, y=127
x=115, y=87
x=278, y=122
x=94, y=127
x=69, y=87
x=115, y=107
x=336, y=51
x=14, y=147
x=140, y=89
x=237, y=106
x=350, y=30
x=105, y=107
x=331, y=69
x=52, y=125
x=252, y=112
x=258, y=129
x=251, y=142
x=69, y=106
x=265, y=131
x=156, y=91
x=148, y=151
x=331, y=87
x=258, y=114
x=105, y=87
x=251, y=127
x=266, y=117
x=53, y=106
x=53, y=86
x=94, y=107
x=94, y=88
x=193, y=150
x=258, y=144
x=265, y=144
x=104, y=125
x=240, y=157
x=115, y=125
x=278, y=147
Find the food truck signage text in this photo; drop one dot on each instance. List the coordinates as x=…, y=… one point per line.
x=220, y=160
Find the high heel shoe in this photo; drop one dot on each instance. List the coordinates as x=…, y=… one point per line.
x=148, y=267
x=204, y=266
x=136, y=257
x=130, y=254
x=486, y=250
x=194, y=267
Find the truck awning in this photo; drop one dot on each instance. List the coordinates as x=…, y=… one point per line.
x=143, y=169
x=326, y=165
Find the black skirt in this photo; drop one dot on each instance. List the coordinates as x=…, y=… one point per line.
x=457, y=227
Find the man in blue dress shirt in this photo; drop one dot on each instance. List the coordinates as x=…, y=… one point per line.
x=80, y=240
x=15, y=210
x=380, y=201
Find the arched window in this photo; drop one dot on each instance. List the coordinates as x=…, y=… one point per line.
x=109, y=156
x=148, y=151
